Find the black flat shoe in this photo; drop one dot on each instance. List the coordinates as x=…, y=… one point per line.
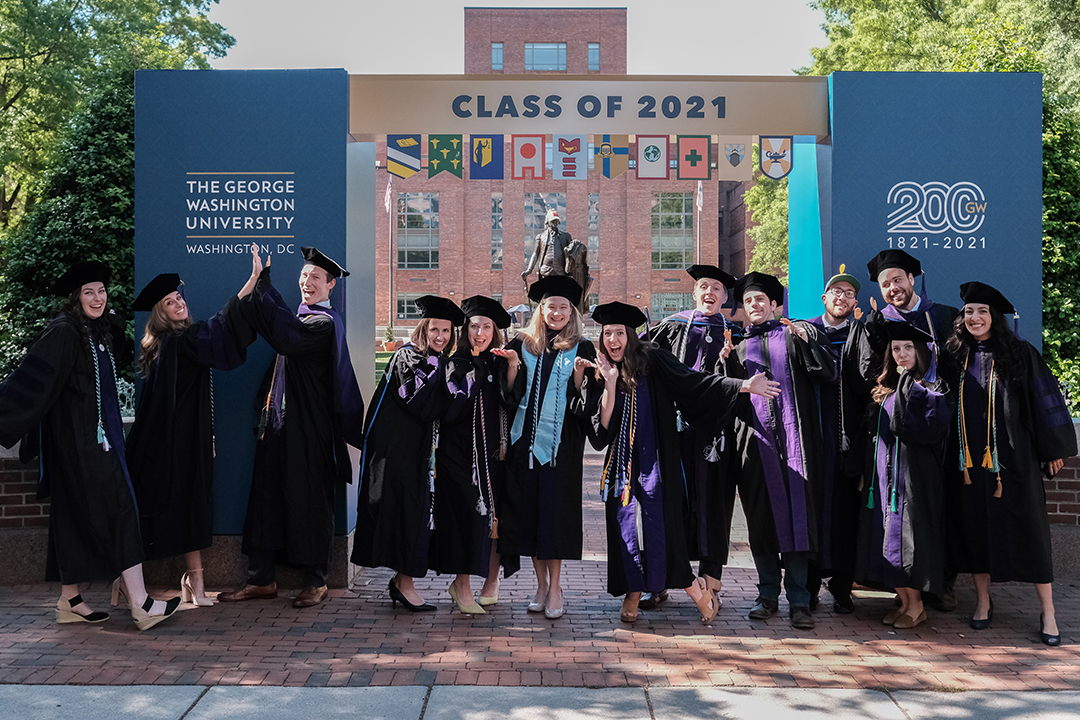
x=1048, y=639
x=396, y=596
x=843, y=605
x=983, y=624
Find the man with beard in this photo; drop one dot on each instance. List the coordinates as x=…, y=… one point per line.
x=701, y=340
x=895, y=271
x=843, y=404
x=778, y=443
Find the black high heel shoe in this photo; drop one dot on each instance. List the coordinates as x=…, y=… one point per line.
x=396, y=596
x=1048, y=639
x=982, y=624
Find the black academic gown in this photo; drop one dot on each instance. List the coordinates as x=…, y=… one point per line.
x=395, y=511
x=708, y=457
x=843, y=409
x=470, y=478
x=901, y=519
x=657, y=494
x=1009, y=536
x=170, y=447
x=310, y=408
x=542, y=511
x=53, y=396
x=779, y=440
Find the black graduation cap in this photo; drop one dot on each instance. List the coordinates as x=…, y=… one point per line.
x=486, y=307
x=556, y=286
x=900, y=330
x=316, y=258
x=155, y=290
x=893, y=259
x=710, y=271
x=977, y=292
x=761, y=282
x=618, y=313
x=439, y=308
x=81, y=274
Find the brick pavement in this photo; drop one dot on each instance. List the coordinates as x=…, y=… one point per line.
x=356, y=639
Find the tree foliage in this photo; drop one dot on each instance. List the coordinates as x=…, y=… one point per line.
x=53, y=52
x=87, y=213
x=767, y=200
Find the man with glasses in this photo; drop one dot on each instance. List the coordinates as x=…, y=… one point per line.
x=843, y=403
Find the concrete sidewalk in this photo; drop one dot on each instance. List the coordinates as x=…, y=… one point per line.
x=493, y=703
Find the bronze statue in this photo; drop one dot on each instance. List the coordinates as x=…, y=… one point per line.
x=556, y=253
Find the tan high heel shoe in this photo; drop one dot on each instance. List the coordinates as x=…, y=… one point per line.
x=485, y=600
x=119, y=590
x=629, y=612
x=65, y=612
x=144, y=620
x=706, y=603
x=473, y=609
x=187, y=591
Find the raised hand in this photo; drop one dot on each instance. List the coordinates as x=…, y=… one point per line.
x=728, y=345
x=873, y=303
x=760, y=384
x=799, y=332
x=858, y=310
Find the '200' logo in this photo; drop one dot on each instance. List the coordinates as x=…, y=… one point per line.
x=935, y=207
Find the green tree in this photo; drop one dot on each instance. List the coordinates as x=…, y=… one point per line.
x=86, y=213
x=52, y=52
x=767, y=200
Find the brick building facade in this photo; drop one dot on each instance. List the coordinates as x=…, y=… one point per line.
x=483, y=230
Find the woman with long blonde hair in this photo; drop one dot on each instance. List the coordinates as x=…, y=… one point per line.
x=170, y=449
x=542, y=511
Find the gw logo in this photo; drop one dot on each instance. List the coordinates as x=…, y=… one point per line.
x=935, y=207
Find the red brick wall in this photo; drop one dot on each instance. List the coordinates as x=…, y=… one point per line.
x=18, y=488
x=625, y=270
x=1063, y=495
x=514, y=27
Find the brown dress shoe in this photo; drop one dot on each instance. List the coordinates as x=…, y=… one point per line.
x=310, y=596
x=250, y=592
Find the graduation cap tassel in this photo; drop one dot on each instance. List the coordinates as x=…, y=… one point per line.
x=997, y=490
x=494, y=535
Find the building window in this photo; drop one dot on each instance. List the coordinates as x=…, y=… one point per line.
x=594, y=57
x=497, y=297
x=545, y=57
x=593, y=301
x=496, y=231
x=406, y=306
x=496, y=56
x=672, y=231
x=418, y=231
x=593, y=224
x=536, y=207
x=667, y=304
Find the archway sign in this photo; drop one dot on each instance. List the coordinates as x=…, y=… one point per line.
x=945, y=165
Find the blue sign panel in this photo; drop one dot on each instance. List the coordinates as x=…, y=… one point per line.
x=224, y=159
x=947, y=166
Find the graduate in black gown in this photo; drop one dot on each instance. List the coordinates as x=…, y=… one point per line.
x=843, y=407
x=62, y=398
x=1014, y=428
x=170, y=447
x=701, y=339
x=779, y=443
x=397, y=509
x=302, y=455
x=542, y=511
x=642, y=484
x=470, y=472
x=901, y=531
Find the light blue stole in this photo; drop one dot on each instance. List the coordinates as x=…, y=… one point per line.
x=548, y=417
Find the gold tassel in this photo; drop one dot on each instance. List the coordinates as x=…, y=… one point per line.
x=494, y=529
x=997, y=492
x=988, y=459
x=967, y=477
x=626, y=494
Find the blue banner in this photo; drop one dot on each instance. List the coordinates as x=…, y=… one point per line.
x=947, y=166
x=224, y=159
